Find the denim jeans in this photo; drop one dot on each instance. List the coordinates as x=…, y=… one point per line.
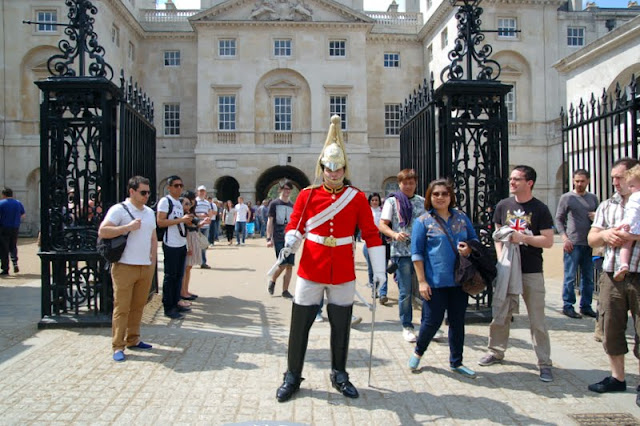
x=581, y=258
x=404, y=275
x=454, y=301
x=174, y=263
x=241, y=232
x=382, y=289
x=205, y=232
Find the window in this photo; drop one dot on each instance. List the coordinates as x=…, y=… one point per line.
x=282, y=47
x=444, y=38
x=131, y=52
x=227, y=47
x=115, y=35
x=172, y=120
x=507, y=27
x=338, y=106
x=575, y=36
x=392, y=119
x=227, y=112
x=46, y=16
x=430, y=53
x=338, y=48
x=391, y=60
x=510, y=103
x=172, y=58
x=282, y=113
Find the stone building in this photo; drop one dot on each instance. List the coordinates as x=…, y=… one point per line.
x=243, y=90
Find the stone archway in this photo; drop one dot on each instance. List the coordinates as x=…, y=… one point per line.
x=272, y=175
x=227, y=188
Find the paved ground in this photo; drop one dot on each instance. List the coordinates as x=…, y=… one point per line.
x=223, y=363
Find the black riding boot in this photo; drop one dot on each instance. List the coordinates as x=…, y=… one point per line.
x=301, y=321
x=340, y=320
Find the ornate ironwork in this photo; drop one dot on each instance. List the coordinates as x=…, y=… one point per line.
x=82, y=42
x=597, y=132
x=470, y=36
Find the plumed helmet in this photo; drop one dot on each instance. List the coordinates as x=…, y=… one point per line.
x=334, y=154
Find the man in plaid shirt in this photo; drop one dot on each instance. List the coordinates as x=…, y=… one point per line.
x=616, y=297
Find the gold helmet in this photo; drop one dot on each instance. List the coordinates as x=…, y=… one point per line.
x=333, y=155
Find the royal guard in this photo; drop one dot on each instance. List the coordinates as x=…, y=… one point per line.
x=325, y=218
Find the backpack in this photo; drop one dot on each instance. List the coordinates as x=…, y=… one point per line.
x=161, y=232
x=112, y=248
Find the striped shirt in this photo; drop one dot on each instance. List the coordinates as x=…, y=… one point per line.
x=609, y=215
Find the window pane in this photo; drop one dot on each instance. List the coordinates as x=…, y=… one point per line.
x=338, y=106
x=282, y=111
x=227, y=47
x=282, y=47
x=392, y=119
x=391, y=60
x=575, y=36
x=227, y=112
x=45, y=16
x=507, y=27
x=510, y=102
x=337, y=48
x=172, y=58
x=172, y=120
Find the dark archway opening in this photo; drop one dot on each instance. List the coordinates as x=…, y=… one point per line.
x=227, y=188
x=271, y=176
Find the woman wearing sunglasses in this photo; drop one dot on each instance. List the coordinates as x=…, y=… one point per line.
x=434, y=236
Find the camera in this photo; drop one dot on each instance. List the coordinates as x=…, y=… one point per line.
x=195, y=221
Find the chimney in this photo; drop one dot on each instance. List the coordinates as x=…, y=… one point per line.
x=576, y=5
x=393, y=7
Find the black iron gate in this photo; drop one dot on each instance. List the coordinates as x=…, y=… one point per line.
x=460, y=131
x=85, y=167
x=598, y=132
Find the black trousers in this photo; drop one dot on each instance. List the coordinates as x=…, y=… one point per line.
x=8, y=245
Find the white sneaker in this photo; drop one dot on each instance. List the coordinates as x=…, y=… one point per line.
x=319, y=318
x=355, y=320
x=409, y=335
x=439, y=335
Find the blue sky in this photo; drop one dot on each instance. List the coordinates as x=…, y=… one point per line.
x=383, y=4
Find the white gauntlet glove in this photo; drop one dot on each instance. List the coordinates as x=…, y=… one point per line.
x=292, y=241
x=378, y=261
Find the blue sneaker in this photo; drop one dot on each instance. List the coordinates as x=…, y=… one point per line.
x=140, y=345
x=118, y=356
x=414, y=361
x=467, y=372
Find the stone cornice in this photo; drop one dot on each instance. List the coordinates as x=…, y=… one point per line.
x=392, y=38
x=173, y=35
x=556, y=3
x=330, y=4
x=619, y=36
x=323, y=24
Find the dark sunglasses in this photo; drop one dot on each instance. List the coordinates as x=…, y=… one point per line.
x=439, y=194
x=178, y=185
x=144, y=193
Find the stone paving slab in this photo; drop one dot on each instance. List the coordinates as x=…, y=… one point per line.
x=223, y=363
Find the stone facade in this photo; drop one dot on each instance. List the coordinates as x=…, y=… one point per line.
x=227, y=52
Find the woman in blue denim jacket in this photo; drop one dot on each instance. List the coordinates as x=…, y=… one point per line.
x=434, y=261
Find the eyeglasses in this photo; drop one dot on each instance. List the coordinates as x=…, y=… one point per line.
x=144, y=193
x=178, y=185
x=440, y=194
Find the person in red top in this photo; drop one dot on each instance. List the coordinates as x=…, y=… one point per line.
x=325, y=217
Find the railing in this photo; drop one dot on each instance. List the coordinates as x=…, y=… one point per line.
x=396, y=18
x=281, y=138
x=164, y=15
x=227, y=138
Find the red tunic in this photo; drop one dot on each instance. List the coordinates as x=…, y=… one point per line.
x=332, y=265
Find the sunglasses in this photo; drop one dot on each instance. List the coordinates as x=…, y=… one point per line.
x=144, y=193
x=178, y=185
x=439, y=194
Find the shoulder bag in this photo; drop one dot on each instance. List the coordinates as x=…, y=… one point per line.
x=112, y=248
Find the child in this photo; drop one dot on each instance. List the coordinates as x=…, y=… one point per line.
x=631, y=220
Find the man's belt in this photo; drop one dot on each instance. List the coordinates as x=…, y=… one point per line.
x=329, y=241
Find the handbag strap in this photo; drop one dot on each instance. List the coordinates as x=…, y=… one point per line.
x=127, y=210
x=446, y=231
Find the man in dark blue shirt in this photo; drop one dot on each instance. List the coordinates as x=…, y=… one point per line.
x=11, y=213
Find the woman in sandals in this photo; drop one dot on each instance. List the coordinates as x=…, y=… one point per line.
x=437, y=238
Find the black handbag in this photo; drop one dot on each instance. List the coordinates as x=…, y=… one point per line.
x=112, y=248
x=464, y=272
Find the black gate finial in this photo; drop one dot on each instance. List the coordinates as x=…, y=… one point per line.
x=470, y=35
x=82, y=41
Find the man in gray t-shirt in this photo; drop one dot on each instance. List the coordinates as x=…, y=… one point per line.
x=573, y=221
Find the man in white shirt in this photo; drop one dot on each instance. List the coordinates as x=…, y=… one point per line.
x=133, y=273
x=170, y=215
x=203, y=210
x=242, y=215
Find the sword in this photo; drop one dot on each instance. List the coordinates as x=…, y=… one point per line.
x=374, y=288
